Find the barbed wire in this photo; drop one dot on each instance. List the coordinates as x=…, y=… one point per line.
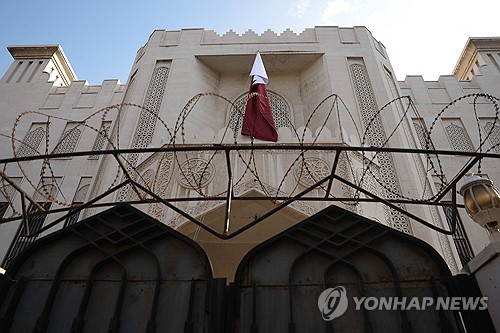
x=330, y=107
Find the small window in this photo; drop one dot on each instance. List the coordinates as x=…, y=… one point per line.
x=460, y=238
x=3, y=208
x=69, y=139
x=494, y=135
x=422, y=134
x=101, y=139
x=78, y=199
x=457, y=134
x=20, y=241
x=32, y=140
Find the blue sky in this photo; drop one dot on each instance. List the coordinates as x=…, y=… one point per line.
x=100, y=38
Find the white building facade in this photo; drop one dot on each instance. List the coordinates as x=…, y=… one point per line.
x=187, y=88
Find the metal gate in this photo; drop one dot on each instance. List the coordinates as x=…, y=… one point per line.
x=118, y=271
x=123, y=271
x=279, y=282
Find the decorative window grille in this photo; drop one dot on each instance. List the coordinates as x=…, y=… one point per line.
x=3, y=208
x=78, y=199
x=73, y=217
x=35, y=223
x=279, y=109
x=152, y=103
x=7, y=194
x=460, y=238
x=21, y=242
x=459, y=139
x=69, y=139
x=147, y=120
x=422, y=134
x=494, y=135
x=101, y=140
x=31, y=142
x=376, y=137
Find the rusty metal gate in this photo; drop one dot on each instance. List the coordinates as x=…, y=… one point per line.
x=116, y=271
x=123, y=271
x=279, y=282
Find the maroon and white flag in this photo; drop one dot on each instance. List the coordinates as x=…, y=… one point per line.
x=258, y=121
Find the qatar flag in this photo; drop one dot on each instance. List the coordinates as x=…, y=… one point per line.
x=258, y=121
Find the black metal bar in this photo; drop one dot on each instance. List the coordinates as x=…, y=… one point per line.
x=395, y=207
x=334, y=168
x=367, y=323
x=81, y=207
x=254, y=326
x=80, y=318
x=8, y=317
x=278, y=208
x=219, y=198
x=24, y=216
x=454, y=206
x=90, y=204
x=42, y=321
x=20, y=190
x=114, y=324
x=458, y=177
x=217, y=307
x=127, y=175
x=229, y=197
x=188, y=324
x=243, y=147
x=229, y=194
x=181, y=212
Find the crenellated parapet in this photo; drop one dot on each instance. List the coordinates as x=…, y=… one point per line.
x=251, y=37
x=446, y=89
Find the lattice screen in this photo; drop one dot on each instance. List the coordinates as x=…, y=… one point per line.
x=100, y=140
x=69, y=139
x=31, y=142
x=79, y=198
x=459, y=139
x=376, y=137
x=147, y=120
x=494, y=136
x=422, y=134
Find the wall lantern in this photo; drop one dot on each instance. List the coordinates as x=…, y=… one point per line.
x=482, y=202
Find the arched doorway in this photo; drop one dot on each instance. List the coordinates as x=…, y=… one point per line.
x=121, y=270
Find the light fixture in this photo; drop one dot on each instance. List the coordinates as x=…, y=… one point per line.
x=482, y=202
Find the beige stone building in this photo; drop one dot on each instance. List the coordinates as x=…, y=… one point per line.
x=326, y=87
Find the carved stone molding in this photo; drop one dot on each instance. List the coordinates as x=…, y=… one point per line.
x=195, y=173
x=311, y=170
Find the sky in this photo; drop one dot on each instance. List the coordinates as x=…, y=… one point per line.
x=101, y=37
